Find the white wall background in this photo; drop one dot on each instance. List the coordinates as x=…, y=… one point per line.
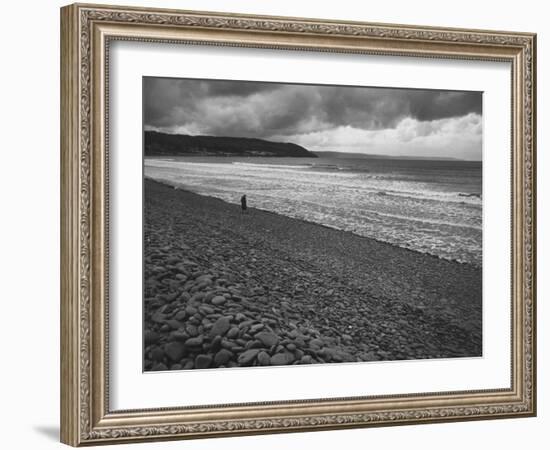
x=29, y=225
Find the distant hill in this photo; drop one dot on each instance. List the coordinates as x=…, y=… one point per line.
x=162, y=144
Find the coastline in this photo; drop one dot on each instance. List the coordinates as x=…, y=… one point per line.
x=296, y=282
x=236, y=203
x=418, y=205
x=431, y=255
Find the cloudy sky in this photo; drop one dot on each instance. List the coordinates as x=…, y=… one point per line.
x=393, y=122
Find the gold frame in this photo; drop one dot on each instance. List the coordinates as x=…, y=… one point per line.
x=86, y=31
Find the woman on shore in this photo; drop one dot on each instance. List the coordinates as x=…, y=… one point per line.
x=243, y=204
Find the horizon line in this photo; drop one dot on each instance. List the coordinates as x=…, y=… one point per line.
x=441, y=158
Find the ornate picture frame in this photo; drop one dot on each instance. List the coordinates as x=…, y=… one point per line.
x=87, y=32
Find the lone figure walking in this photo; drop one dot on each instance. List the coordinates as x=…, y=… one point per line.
x=243, y=204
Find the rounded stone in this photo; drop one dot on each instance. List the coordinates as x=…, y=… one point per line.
x=264, y=359
x=180, y=315
x=316, y=343
x=191, y=310
x=197, y=297
x=222, y=357
x=267, y=338
x=173, y=324
x=159, y=367
x=191, y=330
x=255, y=328
x=188, y=365
x=248, y=356
x=204, y=278
x=220, y=327
x=203, y=361
x=179, y=336
x=150, y=337
x=216, y=343
x=282, y=359
x=219, y=300
x=158, y=317
x=157, y=354
x=174, y=350
x=233, y=333
x=204, y=309
x=194, y=342
x=184, y=297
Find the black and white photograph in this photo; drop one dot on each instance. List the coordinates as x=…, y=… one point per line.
x=298, y=224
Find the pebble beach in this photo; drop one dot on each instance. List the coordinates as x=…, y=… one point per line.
x=226, y=289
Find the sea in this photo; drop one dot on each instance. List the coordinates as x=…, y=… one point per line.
x=430, y=206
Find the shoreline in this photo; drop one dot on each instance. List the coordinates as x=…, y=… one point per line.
x=225, y=289
x=266, y=211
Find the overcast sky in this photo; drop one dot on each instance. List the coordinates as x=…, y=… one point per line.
x=408, y=122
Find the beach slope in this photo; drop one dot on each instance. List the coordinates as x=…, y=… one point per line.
x=226, y=289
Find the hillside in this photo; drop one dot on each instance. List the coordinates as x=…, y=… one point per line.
x=161, y=144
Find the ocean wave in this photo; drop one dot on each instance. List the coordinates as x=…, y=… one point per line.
x=422, y=220
x=474, y=199
x=434, y=212
x=272, y=166
x=470, y=195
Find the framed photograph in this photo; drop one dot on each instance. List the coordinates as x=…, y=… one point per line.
x=274, y=224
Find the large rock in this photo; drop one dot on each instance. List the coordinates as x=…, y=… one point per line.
x=209, y=296
x=150, y=337
x=157, y=354
x=282, y=359
x=203, y=361
x=189, y=365
x=233, y=333
x=267, y=338
x=197, y=297
x=219, y=300
x=204, y=278
x=194, y=342
x=180, y=315
x=240, y=317
x=248, y=356
x=222, y=357
x=191, y=310
x=184, y=297
x=174, y=350
x=255, y=328
x=174, y=324
x=158, y=317
x=179, y=336
x=264, y=359
x=316, y=344
x=220, y=327
x=206, y=310
x=159, y=367
x=216, y=343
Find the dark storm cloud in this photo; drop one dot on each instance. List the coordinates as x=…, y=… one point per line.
x=433, y=105
x=255, y=109
x=236, y=89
